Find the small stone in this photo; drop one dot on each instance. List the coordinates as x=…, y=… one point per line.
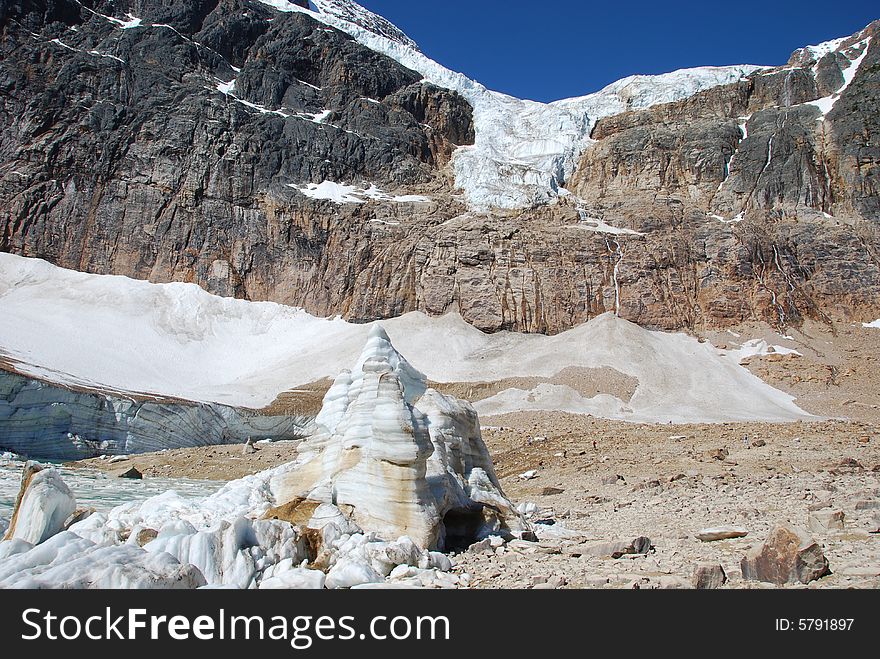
x=717, y=533
x=720, y=454
x=826, y=520
x=868, y=505
x=552, y=491
x=132, y=474
x=709, y=576
x=611, y=480
x=529, y=475
x=788, y=556
x=759, y=443
x=145, y=536
x=875, y=524
x=482, y=546
x=638, y=546
x=671, y=582
x=850, y=463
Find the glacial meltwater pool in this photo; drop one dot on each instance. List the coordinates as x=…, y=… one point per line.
x=94, y=489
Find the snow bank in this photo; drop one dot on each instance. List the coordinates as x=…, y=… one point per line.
x=177, y=340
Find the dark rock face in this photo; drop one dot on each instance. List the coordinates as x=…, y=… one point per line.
x=119, y=153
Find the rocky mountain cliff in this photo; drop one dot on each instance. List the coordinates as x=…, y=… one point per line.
x=259, y=150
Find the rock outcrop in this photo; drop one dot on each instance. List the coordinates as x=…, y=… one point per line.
x=174, y=147
x=399, y=459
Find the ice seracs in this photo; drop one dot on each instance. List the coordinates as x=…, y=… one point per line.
x=524, y=150
x=399, y=459
x=43, y=505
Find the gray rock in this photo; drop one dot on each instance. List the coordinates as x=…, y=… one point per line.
x=788, y=556
x=826, y=520
x=637, y=546
x=868, y=505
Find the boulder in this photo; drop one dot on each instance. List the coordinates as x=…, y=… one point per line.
x=709, y=576
x=821, y=521
x=43, y=505
x=132, y=474
x=789, y=555
x=717, y=533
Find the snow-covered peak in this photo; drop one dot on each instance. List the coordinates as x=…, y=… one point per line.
x=524, y=150
x=819, y=51
x=353, y=13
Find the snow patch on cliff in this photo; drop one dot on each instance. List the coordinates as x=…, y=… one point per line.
x=340, y=193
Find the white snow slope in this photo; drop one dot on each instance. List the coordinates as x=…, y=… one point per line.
x=524, y=150
x=176, y=340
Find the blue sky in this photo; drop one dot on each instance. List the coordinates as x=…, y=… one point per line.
x=550, y=50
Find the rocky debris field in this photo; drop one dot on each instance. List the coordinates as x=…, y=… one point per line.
x=220, y=463
x=669, y=484
x=664, y=483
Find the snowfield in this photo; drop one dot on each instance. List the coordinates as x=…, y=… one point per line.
x=176, y=340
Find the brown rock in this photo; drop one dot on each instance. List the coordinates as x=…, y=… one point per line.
x=132, y=474
x=551, y=491
x=788, y=556
x=640, y=545
x=709, y=576
x=145, y=536
x=720, y=454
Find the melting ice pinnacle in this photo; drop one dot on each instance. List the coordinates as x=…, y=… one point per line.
x=399, y=458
